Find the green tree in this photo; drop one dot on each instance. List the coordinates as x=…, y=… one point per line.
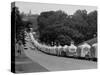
x=17, y=21
x=59, y=26
x=92, y=21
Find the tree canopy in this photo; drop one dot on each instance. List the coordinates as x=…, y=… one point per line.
x=59, y=26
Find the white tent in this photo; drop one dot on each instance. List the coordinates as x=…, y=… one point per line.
x=85, y=49
x=72, y=48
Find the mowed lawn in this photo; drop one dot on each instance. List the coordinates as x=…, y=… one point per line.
x=25, y=65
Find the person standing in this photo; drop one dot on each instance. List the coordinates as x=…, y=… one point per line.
x=20, y=48
x=54, y=49
x=94, y=50
x=59, y=50
x=16, y=48
x=65, y=49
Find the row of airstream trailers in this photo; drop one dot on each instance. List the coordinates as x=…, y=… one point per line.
x=85, y=50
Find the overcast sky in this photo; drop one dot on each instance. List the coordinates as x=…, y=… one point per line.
x=37, y=8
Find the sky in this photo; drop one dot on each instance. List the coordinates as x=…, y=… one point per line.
x=37, y=8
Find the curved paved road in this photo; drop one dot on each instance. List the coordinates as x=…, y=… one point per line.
x=54, y=63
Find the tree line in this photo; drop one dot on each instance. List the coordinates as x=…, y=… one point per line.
x=59, y=27
x=19, y=25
